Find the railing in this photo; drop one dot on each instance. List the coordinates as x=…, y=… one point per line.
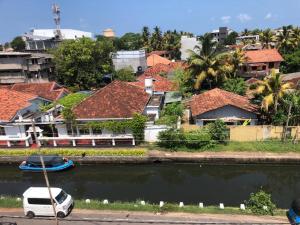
x=19, y=141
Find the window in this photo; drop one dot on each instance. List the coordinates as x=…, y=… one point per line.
x=61, y=197
x=271, y=65
x=97, y=131
x=264, y=67
x=245, y=68
x=254, y=67
x=2, y=131
x=83, y=130
x=39, y=201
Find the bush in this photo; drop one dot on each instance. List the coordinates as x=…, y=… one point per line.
x=258, y=201
x=173, y=109
x=218, y=131
x=125, y=74
x=197, y=139
x=167, y=120
x=170, y=139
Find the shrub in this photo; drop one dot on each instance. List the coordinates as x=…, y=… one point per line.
x=167, y=120
x=170, y=139
x=258, y=201
x=218, y=131
x=173, y=109
x=197, y=139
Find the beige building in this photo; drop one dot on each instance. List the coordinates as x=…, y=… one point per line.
x=109, y=33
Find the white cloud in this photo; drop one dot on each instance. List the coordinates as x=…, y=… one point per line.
x=243, y=17
x=268, y=16
x=225, y=19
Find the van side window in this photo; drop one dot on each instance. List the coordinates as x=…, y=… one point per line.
x=39, y=201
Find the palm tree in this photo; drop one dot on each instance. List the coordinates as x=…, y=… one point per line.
x=284, y=40
x=266, y=38
x=156, y=40
x=203, y=61
x=296, y=36
x=146, y=37
x=246, y=32
x=237, y=60
x=272, y=89
x=171, y=43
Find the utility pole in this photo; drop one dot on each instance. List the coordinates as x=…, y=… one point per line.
x=44, y=170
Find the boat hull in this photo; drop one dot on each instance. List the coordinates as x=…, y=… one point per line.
x=67, y=165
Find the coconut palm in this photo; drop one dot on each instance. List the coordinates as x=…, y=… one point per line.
x=203, y=61
x=296, y=36
x=267, y=37
x=146, y=37
x=284, y=40
x=237, y=60
x=272, y=88
x=156, y=39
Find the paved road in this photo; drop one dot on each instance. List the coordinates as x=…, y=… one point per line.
x=91, y=217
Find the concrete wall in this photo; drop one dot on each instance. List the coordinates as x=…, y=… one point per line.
x=15, y=131
x=151, y=132
x=135, y=59
x=258, y=133
x=152, y=110
x=187, y=43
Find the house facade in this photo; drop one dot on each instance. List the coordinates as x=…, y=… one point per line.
x=135, y=59
x=217, y=104
x=259, y=63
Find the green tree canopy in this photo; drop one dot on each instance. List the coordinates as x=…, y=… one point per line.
x=235, y=85
x=231, y=38
x=130, y=41
x=83, y=62
x=125, y=74
x=291, y=62
x=18, y=44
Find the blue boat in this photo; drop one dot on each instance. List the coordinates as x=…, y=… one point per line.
x=294, y=212
x=53, y=163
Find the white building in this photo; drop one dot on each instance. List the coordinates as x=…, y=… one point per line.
x=135, y=59
x=187, y=43
x=219, y=35
x=72, y=34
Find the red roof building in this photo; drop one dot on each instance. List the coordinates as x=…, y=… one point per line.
x=118, y=100
x=259, y=63
x=50, y=90
x=11, y=102
x=154, y=59
x=220, y=104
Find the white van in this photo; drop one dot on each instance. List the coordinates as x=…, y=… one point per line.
x=37, y=202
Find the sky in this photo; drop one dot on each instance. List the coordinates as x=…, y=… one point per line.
x=196, y=16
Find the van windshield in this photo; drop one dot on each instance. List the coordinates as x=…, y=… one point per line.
x=61, y=197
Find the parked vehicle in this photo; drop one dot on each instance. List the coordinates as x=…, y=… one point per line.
x=37, y=202
x=53, y=163
x=294, y=212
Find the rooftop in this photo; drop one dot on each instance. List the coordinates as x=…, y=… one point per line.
x=218, y=98
x=12, y=101
x=115, y=101
x=263, y=55
x=154, y=59
x=155, y=100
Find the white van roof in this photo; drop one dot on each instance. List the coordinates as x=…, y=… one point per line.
x=41, y=192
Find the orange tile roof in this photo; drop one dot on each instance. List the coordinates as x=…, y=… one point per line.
x=13, y=101
x=116, y=100
x=50, y=90
x=160, y=53
x=263, y=55
x=218, y=98
x=154, y=59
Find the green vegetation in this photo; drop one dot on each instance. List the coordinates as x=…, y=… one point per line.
x=18, y=44
x=11, y=202
x=218, y=131
x=235, y=85
x=75, y=152
x=170, y=114
x=125, y=74
x=261, y=203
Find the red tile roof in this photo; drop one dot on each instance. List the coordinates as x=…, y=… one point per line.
x=160, y=84
x=160, y=53
x=116, y=100
x=263, y=55
x=13, y=101
x=162, y=68
x=218, y=98
x=154, y=59
x=50, y=90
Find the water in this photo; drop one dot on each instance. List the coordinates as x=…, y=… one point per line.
x=190, y=183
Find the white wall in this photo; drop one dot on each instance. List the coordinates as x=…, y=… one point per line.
x=151, y=132
x=153, y=110
x=15, y=131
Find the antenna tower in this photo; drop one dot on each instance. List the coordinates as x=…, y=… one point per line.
x=56, y=16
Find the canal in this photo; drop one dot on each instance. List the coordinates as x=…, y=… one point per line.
x=190, y=183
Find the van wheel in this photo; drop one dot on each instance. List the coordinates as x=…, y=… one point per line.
x=30, y=214
x=60, y=215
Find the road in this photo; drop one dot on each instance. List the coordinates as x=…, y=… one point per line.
x=93, y=217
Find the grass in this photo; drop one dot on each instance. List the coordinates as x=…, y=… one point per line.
x=75, y=152
x=11, y=202
x=270, y=146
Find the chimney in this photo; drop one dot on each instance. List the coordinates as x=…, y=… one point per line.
x=149, y=85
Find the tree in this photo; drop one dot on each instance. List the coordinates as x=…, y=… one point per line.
x=1, y=47
x=285, y=41
x=18, y=44
x=146, y=37
x=296, y=36
x=130, y=41
x=272, y=89
x=203, y=61
x=82, y=62
x=184, y=81
x=171, y=43
x=218, y=131
x=156, y=40
x=231, y=38
x=267, y=37
x=235, y=85
x=291, y=62
x=125, y=74
x=245, y=32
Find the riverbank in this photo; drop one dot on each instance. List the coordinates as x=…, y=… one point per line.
x=142, y=156
x=138, y=206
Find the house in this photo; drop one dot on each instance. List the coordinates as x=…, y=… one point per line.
x=216, y=104
x=259, y=63
x=17, y=109
x=135, y=59
x=20, y=67
x=219, y=35
x=247, y=38
x=155, y=59
x=187, y=43
x=50, y=90
x=118, y=102
x=109, y=33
